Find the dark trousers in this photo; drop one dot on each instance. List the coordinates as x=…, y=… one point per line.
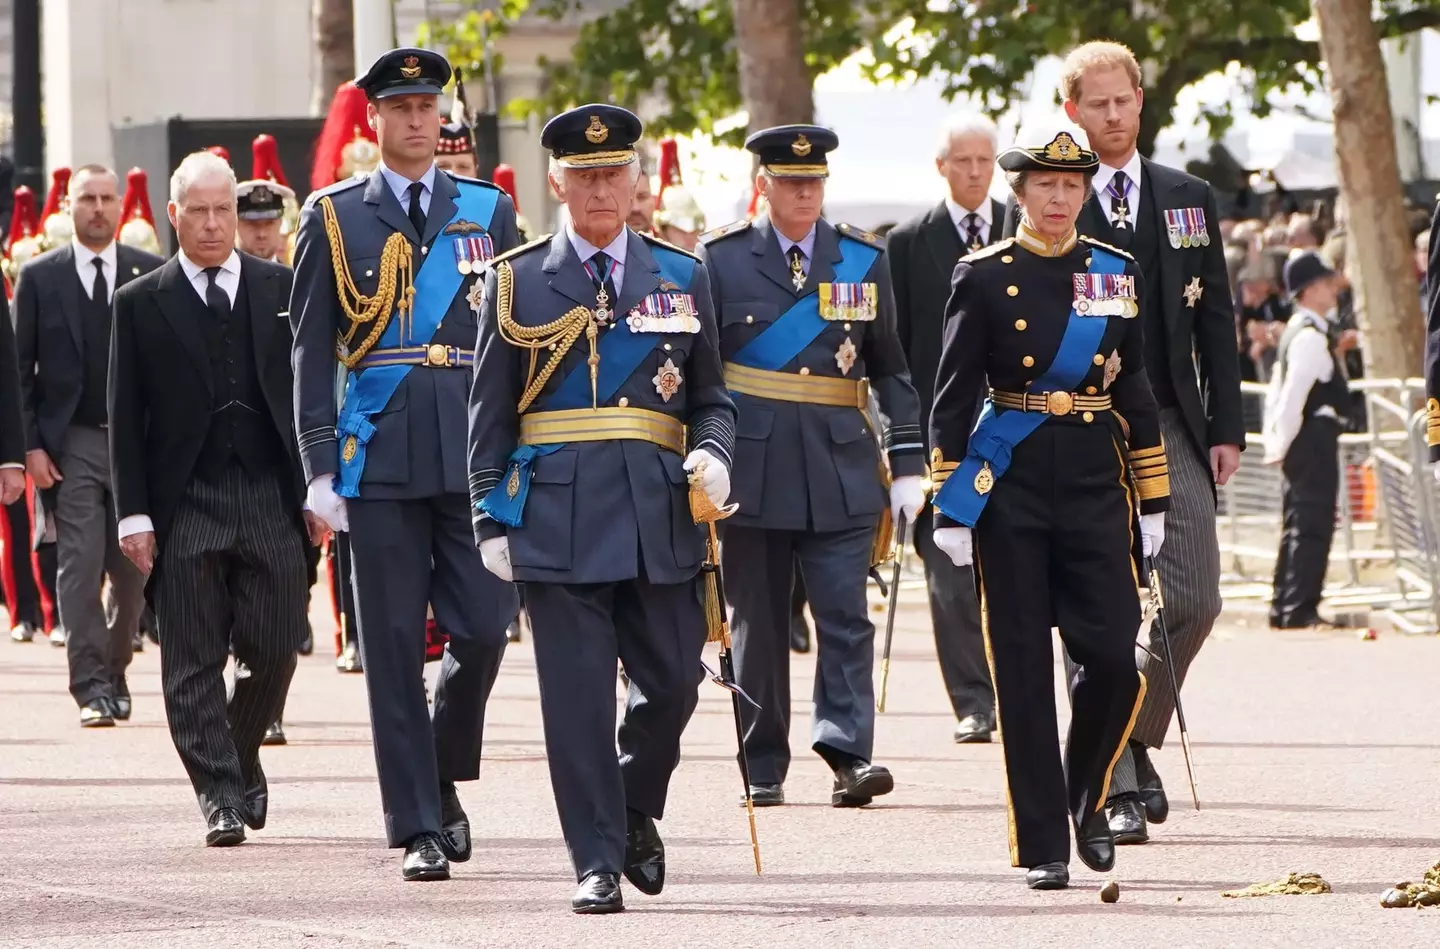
x=758, y=566
x=342, y=590
x=231, y=568
x=404, y=555
x=1054, y=549
x=22, y=594
x=580, y=631
x=1311, y=483
x=955, y=617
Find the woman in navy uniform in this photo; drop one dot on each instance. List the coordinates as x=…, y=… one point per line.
x=1066, y=448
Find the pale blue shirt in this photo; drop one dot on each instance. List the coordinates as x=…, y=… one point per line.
x=806, y=245
x=400, y=187
x=615, y=250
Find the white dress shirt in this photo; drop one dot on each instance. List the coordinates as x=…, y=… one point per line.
x=958, y=214
x=615, y=250
x=400, y=187
x=1307, y=361
x=85, y=267
x=1134, y=171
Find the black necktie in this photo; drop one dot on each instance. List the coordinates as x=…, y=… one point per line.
x=100, y=291
x=215, y=297
x=417, y=214
x=602, y=275
x=972, y=232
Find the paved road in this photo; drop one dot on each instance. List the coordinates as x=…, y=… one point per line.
x=1316, y=752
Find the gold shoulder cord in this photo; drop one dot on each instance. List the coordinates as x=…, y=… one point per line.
x=557, y=336
x=397, y=273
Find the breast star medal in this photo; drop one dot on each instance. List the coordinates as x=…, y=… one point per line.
x=985, y=480
x=476, y=296
x=1193, y=292
x=667, y=380
x=797, y=273
x=1112, y=368
x=845, y=356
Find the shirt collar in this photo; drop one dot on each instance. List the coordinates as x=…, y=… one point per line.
x=958, y=212
x=1033, y=241
x=83, y=254
x=1133, y=170
x=806, y=243
x=615, y=250
x=399, y=184
x=194, y=270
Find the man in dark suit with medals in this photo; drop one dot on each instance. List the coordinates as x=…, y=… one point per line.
x=922, y=253
x=598, y=386
x=390, y=264
x=1167, y=220
x=807, y=328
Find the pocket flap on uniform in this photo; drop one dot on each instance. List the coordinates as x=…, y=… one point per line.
x=848, y=427
x=398, y=400
x=754, y=311
x=754, y=423
x=555, y=468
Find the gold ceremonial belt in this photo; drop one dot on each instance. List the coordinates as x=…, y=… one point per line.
x=435, y=355
x=1050, y=403
x=793, y=387
x=602, y=425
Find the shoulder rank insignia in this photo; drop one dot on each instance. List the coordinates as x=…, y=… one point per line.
x=517, y=251
x=989, y=251
x=734, y=227
x=1104, y=246
x=667, y=245
x=859, y=234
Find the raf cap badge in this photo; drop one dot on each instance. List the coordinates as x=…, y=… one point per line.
x=597, y=132
x=411, y=69
x=801, y=146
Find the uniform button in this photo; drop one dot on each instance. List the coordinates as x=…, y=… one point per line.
x=1089, y=390
x=1007, y=259
x=667, y=347
x=1028, y=361
x=424, y=251
x=847, y=327
x=749, y=319
x=369, y=273
x=804, y=370
x=1087, y=261
x=623, y=402
x=1013, y=290
x=1021, y=325
x=1089, y=416
x=1099, y=360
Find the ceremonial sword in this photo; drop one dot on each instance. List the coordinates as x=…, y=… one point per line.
x=1157, y=600
x=894, y=600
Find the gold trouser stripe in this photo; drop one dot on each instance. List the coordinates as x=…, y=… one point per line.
x=1011, y=829
x=793, y=387
x=602, y=425
x=1038, y=401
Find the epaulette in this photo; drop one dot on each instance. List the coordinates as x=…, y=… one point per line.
x=734, y=227
x=472, y=181
x=861, y=235
x=1104, y=246
x=336, y=188
x=667, y=245
x=987, y=251
x=517, y=251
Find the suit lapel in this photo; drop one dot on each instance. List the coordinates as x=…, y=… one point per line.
x=641, y=277
x=765, y=245
x=378, y=194
x=827, y=255
x=1162, y=196
x=997, y=221
x=442, y=206
x=70, y=295
x=261, y=291
x=943, y=239
x=1095, y=222
x=567, y=271
x=181, y=314
x=126, y=268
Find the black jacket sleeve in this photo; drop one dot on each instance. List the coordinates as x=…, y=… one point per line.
x=1215, y=343
x=128, y=411
x=27, y=329
x=960, y=380
x=711, y=421
x=494, y=419
x=314, y=317
x=1140, y=415
x=12, y=426
x=889, y=369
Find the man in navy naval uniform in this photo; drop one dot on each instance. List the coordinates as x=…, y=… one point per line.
x=387, y=284
x=807, y=328
x=597, y=388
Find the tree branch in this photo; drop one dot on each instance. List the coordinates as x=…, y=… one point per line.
x=1307, y=51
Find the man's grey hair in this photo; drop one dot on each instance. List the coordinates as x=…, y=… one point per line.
x=195, y=166
x=966, y=123
x=557, y=171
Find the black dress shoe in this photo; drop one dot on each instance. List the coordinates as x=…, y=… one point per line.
x=120, y=703
x=644, y=853
x=860, y=782
x=1094, y=843
x=799, y=633
x=973, y=729
x=274, y=735
x=766, y=795
x=257, y=799
x=599, y=893
x=1152, y=792
x=424, y=860
x=226, y=828
x=454, y=825
x=1126, y=819
x=307, y=645
x=1048, y=876
x=97, y=713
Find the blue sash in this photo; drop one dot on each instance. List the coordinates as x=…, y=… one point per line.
x=620, y=355
x=798, y=326
x=368, y=391
x=997, y=434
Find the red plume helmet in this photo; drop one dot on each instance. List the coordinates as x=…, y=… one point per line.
x=59, y=188
x=265, y=154
x=137, y=221
x=505, y=180
x=336, y=154
x=221, y=151
x=23, y=222
x=669, y=167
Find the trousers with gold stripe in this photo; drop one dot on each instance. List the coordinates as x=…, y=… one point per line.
x=1054, y=547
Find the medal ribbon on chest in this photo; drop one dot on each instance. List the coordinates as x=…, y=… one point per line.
x=473, y=252
x=664, y=313
x=849, y=302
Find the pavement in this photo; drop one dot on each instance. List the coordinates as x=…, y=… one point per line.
x=1315, y=752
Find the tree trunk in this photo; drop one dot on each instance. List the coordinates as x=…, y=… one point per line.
x=774, y=81
x=333, y=23
x=1394, y=333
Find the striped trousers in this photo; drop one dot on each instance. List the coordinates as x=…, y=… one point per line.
x=231, y=569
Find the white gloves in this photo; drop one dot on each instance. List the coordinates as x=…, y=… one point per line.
x=714, y=476
x=955, y=541
x=495, y=554
x=1152, y=533
x=907, y=494
x=321, y=498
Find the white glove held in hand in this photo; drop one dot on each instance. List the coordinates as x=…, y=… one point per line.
x=907, y=494
x=714, y=478
x=955, y=541
x=321, y=498
x=495, y=555
x=1152, y=533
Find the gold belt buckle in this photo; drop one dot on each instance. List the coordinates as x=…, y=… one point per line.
x=1059, y=403
x=437, y=355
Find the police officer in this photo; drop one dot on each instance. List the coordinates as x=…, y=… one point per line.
x=597, y=387
x=1049, y=318
x=406, y=245
x=807, y=328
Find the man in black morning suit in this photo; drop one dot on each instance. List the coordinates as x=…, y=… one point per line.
x=923, y=253
x=208, y=488
x=389, y=466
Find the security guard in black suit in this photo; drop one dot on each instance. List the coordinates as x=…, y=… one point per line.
x=807, y=328
x=1049, y=319
x=598, y=370
x=390, y=266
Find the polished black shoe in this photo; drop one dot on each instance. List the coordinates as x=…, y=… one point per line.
x=766, y=795
x=860, y=782
x=644, y=853
x=424, y=859
x=274, y=735
x=120, y=705
x=1127, y=820
x=257, y=800
x=974, y=729
x=1094, y=844
x=226, y=828
x=599, y=893
x=97, y=713
x=1152, y=792
x=799, y=633
x=307, y=645
x=454, y=824
x=1048, y=876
